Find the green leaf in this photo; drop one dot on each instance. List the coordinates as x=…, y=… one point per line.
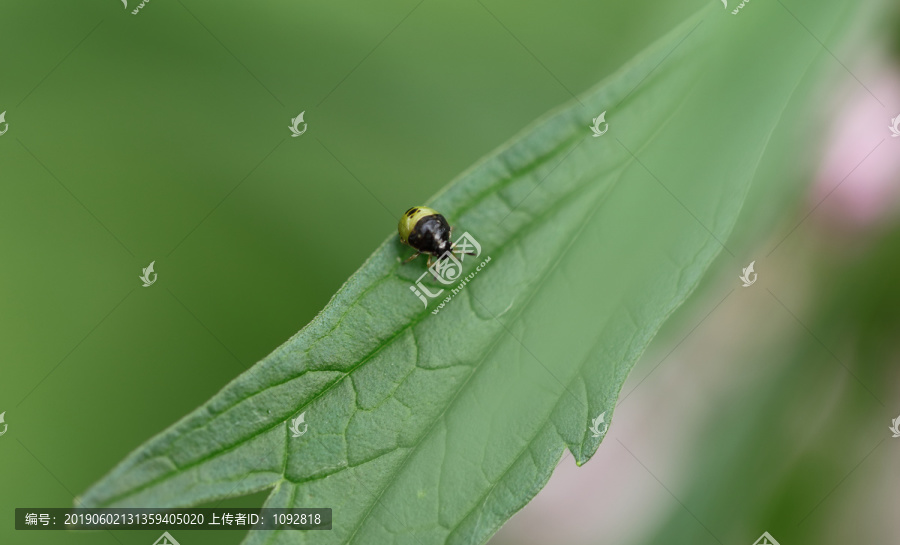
x=435, y=428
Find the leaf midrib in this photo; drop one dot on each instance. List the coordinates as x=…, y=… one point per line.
x=329, y=386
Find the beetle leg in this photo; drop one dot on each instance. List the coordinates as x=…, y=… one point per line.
x=428, y=265
x=410, y=258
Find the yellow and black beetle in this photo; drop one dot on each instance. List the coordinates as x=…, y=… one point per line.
x=427, y=232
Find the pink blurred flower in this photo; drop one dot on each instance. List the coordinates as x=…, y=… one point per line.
x=858, y=183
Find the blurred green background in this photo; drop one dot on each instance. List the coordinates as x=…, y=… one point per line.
x=164, y=137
